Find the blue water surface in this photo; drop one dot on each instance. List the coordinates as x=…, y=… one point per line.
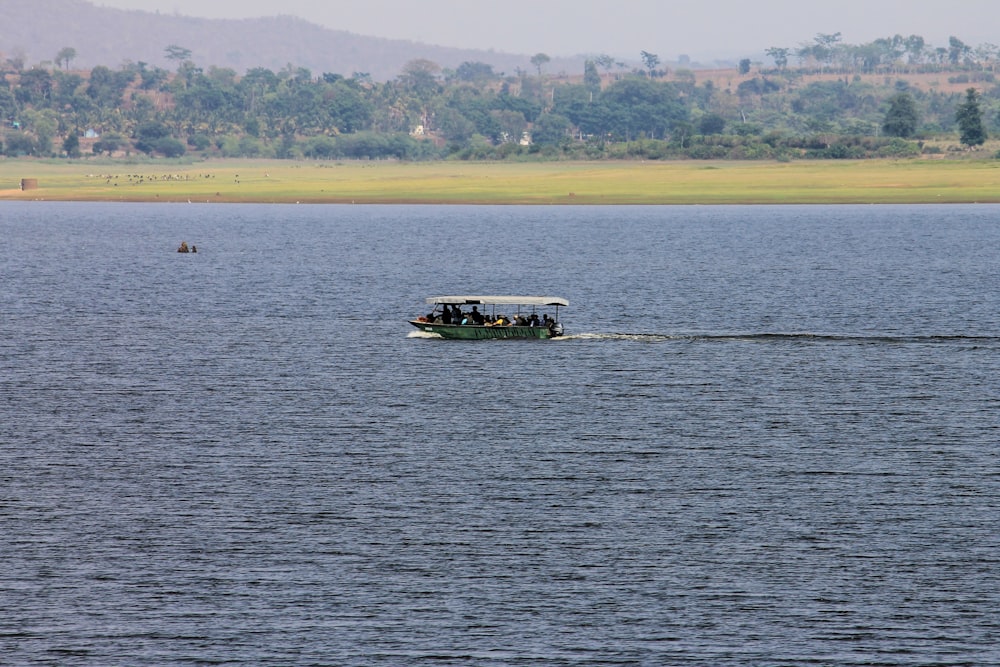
x=770, y=437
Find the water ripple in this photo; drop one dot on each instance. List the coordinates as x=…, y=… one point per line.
x=244, y=458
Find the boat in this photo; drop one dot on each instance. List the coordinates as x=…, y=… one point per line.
x=460, y=317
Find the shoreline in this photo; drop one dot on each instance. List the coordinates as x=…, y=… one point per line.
x=470, y=183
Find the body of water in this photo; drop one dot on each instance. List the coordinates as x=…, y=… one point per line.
x=770, y=437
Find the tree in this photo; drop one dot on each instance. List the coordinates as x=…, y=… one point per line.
x=605, y=62
x=148, y=134
x=822, y=50
x=177, y=53
x=454, y=126
x=65, y=94
x=106, y=87
x=421, y=76
x=109, y=143
x=199, y=142
x=957, y=50
x=551, y=129
x=650, y=60
x=348, y=109
x=511, y=123
x=475, y=72
x=778, y=55
x=71, y=145
x=45, y=124
x=591, y=78
x=915, y=46
x=745, y=66
x=901, y=119
x=681, y=132
x=169, y=147
x=538, y=60
x=986, y=54
x=65, y=55
x=969, y=117
x=711, y=123
x=634, y=107
x=35, y=87
x=20, y=143
x=16, y=61
x=8, y=103
x=152, y=78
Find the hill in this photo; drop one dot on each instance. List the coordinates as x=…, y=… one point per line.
x=111, y=37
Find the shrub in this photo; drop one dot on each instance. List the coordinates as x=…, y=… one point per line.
x=250, y=147
x=169, y=147
x=19, y=143
x=109, y=143
x=320, y=148
x=899, y=148
x=199, y=142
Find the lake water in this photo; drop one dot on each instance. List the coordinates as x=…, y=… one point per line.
x=770, y=438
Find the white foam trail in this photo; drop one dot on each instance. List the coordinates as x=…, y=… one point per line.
x=422, y=334
x=618, y=336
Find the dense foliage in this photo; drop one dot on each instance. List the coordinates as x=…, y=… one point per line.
x=970, y=120
x=474, y=113
x=902, y=118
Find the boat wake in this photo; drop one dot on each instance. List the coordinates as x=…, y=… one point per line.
x=857, y=339
x=801, y=338
x=422, y=334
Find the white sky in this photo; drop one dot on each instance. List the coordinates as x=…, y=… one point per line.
x=702, y=29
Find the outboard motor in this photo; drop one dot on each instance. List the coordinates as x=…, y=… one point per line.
x=556, y=329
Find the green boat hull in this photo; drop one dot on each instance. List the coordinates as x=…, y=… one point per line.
x=478, y=332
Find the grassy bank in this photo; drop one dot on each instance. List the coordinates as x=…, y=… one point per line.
x=827, y=182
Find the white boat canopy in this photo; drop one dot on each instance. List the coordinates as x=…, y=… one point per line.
x=506, y=300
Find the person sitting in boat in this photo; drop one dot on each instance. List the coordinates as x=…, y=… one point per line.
x=456, y=314
x=501, y=321
x=519, y=321
x=547, y=321
x=476, y=316
x=446, y=315
x=533, y=320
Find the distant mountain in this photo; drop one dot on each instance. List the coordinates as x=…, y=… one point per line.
x=37, y=30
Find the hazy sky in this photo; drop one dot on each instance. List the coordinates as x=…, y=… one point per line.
x=699, y=28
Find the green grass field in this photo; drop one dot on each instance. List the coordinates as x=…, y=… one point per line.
x=812, y=182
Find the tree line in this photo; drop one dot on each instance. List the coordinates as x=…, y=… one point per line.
x=472, y=112
x=888, y=54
